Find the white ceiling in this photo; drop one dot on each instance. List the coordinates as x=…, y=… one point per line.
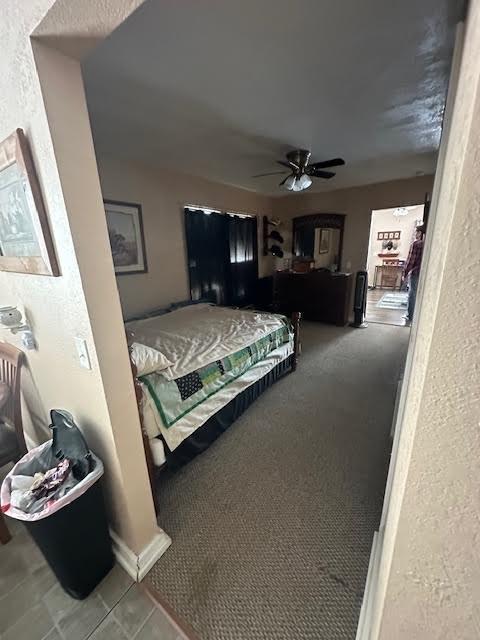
x=221, y=89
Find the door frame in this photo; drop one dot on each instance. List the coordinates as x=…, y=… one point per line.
x=380, y=558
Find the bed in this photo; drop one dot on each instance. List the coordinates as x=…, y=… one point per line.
x=209, y=364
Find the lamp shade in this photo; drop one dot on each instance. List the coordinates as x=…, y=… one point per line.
x=304, y=182
x=289, y=183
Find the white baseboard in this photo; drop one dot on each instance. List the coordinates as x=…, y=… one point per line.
x=395, y=409
x=137, y=566
x=365, y=620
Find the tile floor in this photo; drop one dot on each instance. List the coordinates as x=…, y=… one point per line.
x=33, y=606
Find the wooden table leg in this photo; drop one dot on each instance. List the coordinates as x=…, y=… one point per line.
x=4, y=532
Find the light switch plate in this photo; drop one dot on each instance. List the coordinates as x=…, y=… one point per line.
x=82, y=352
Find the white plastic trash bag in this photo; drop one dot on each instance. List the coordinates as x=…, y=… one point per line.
x=20, y=477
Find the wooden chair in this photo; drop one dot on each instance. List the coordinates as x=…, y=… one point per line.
x=12, y=439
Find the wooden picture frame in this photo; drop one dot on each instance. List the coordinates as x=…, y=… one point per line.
x=388, y=235
x=26, y=245
x=127, y=242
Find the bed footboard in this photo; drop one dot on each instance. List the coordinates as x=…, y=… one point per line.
x=295, y=319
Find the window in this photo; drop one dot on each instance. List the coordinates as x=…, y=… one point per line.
x=222, y=256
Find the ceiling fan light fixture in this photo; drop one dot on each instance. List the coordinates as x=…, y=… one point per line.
x=304, y=182
x=290, y=183
x=301, y=171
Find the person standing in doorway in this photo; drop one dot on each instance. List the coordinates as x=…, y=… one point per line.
x=412, y=270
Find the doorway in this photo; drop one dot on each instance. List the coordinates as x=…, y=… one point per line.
x=392, y=231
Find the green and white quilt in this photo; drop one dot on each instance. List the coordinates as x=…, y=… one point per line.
x=174, y=398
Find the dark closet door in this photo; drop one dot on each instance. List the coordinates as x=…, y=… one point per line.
x=243, y=259
x=207, y=237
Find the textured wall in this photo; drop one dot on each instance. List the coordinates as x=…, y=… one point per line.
x=83, y=300
x=357, y=203
x=429, y=584
x=163, y=195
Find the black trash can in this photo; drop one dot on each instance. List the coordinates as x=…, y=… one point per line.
x=71, y=528
x=76, y=543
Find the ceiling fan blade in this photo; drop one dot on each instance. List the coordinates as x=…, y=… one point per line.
x=335, y=162
x=272, y=173
x=318, y=173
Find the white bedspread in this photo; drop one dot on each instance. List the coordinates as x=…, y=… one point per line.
x=197, y=335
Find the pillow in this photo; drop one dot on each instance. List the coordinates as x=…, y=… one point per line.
x=160, y=311
x=188, y=303
x=147, y=360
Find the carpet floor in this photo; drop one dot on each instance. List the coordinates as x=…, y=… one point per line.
x=272, y=526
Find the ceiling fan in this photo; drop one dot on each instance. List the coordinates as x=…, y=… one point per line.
x=301, y=173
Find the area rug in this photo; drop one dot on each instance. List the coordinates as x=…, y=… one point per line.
x=394, y=300
x=272, y=526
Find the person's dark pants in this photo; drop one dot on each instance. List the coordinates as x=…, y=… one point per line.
x=412, y=294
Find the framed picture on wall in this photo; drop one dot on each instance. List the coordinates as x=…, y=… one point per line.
x=26, y=245
x=125, y=231
x=324, y=245
x=388, y=235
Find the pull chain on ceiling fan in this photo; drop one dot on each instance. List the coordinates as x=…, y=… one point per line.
x=301, y=173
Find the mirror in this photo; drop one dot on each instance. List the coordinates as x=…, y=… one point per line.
x=326, y=250
x=319, y=237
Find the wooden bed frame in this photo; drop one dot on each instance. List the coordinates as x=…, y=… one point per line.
x=295, y=320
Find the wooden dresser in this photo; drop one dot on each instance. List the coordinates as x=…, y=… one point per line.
x=319, y=295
